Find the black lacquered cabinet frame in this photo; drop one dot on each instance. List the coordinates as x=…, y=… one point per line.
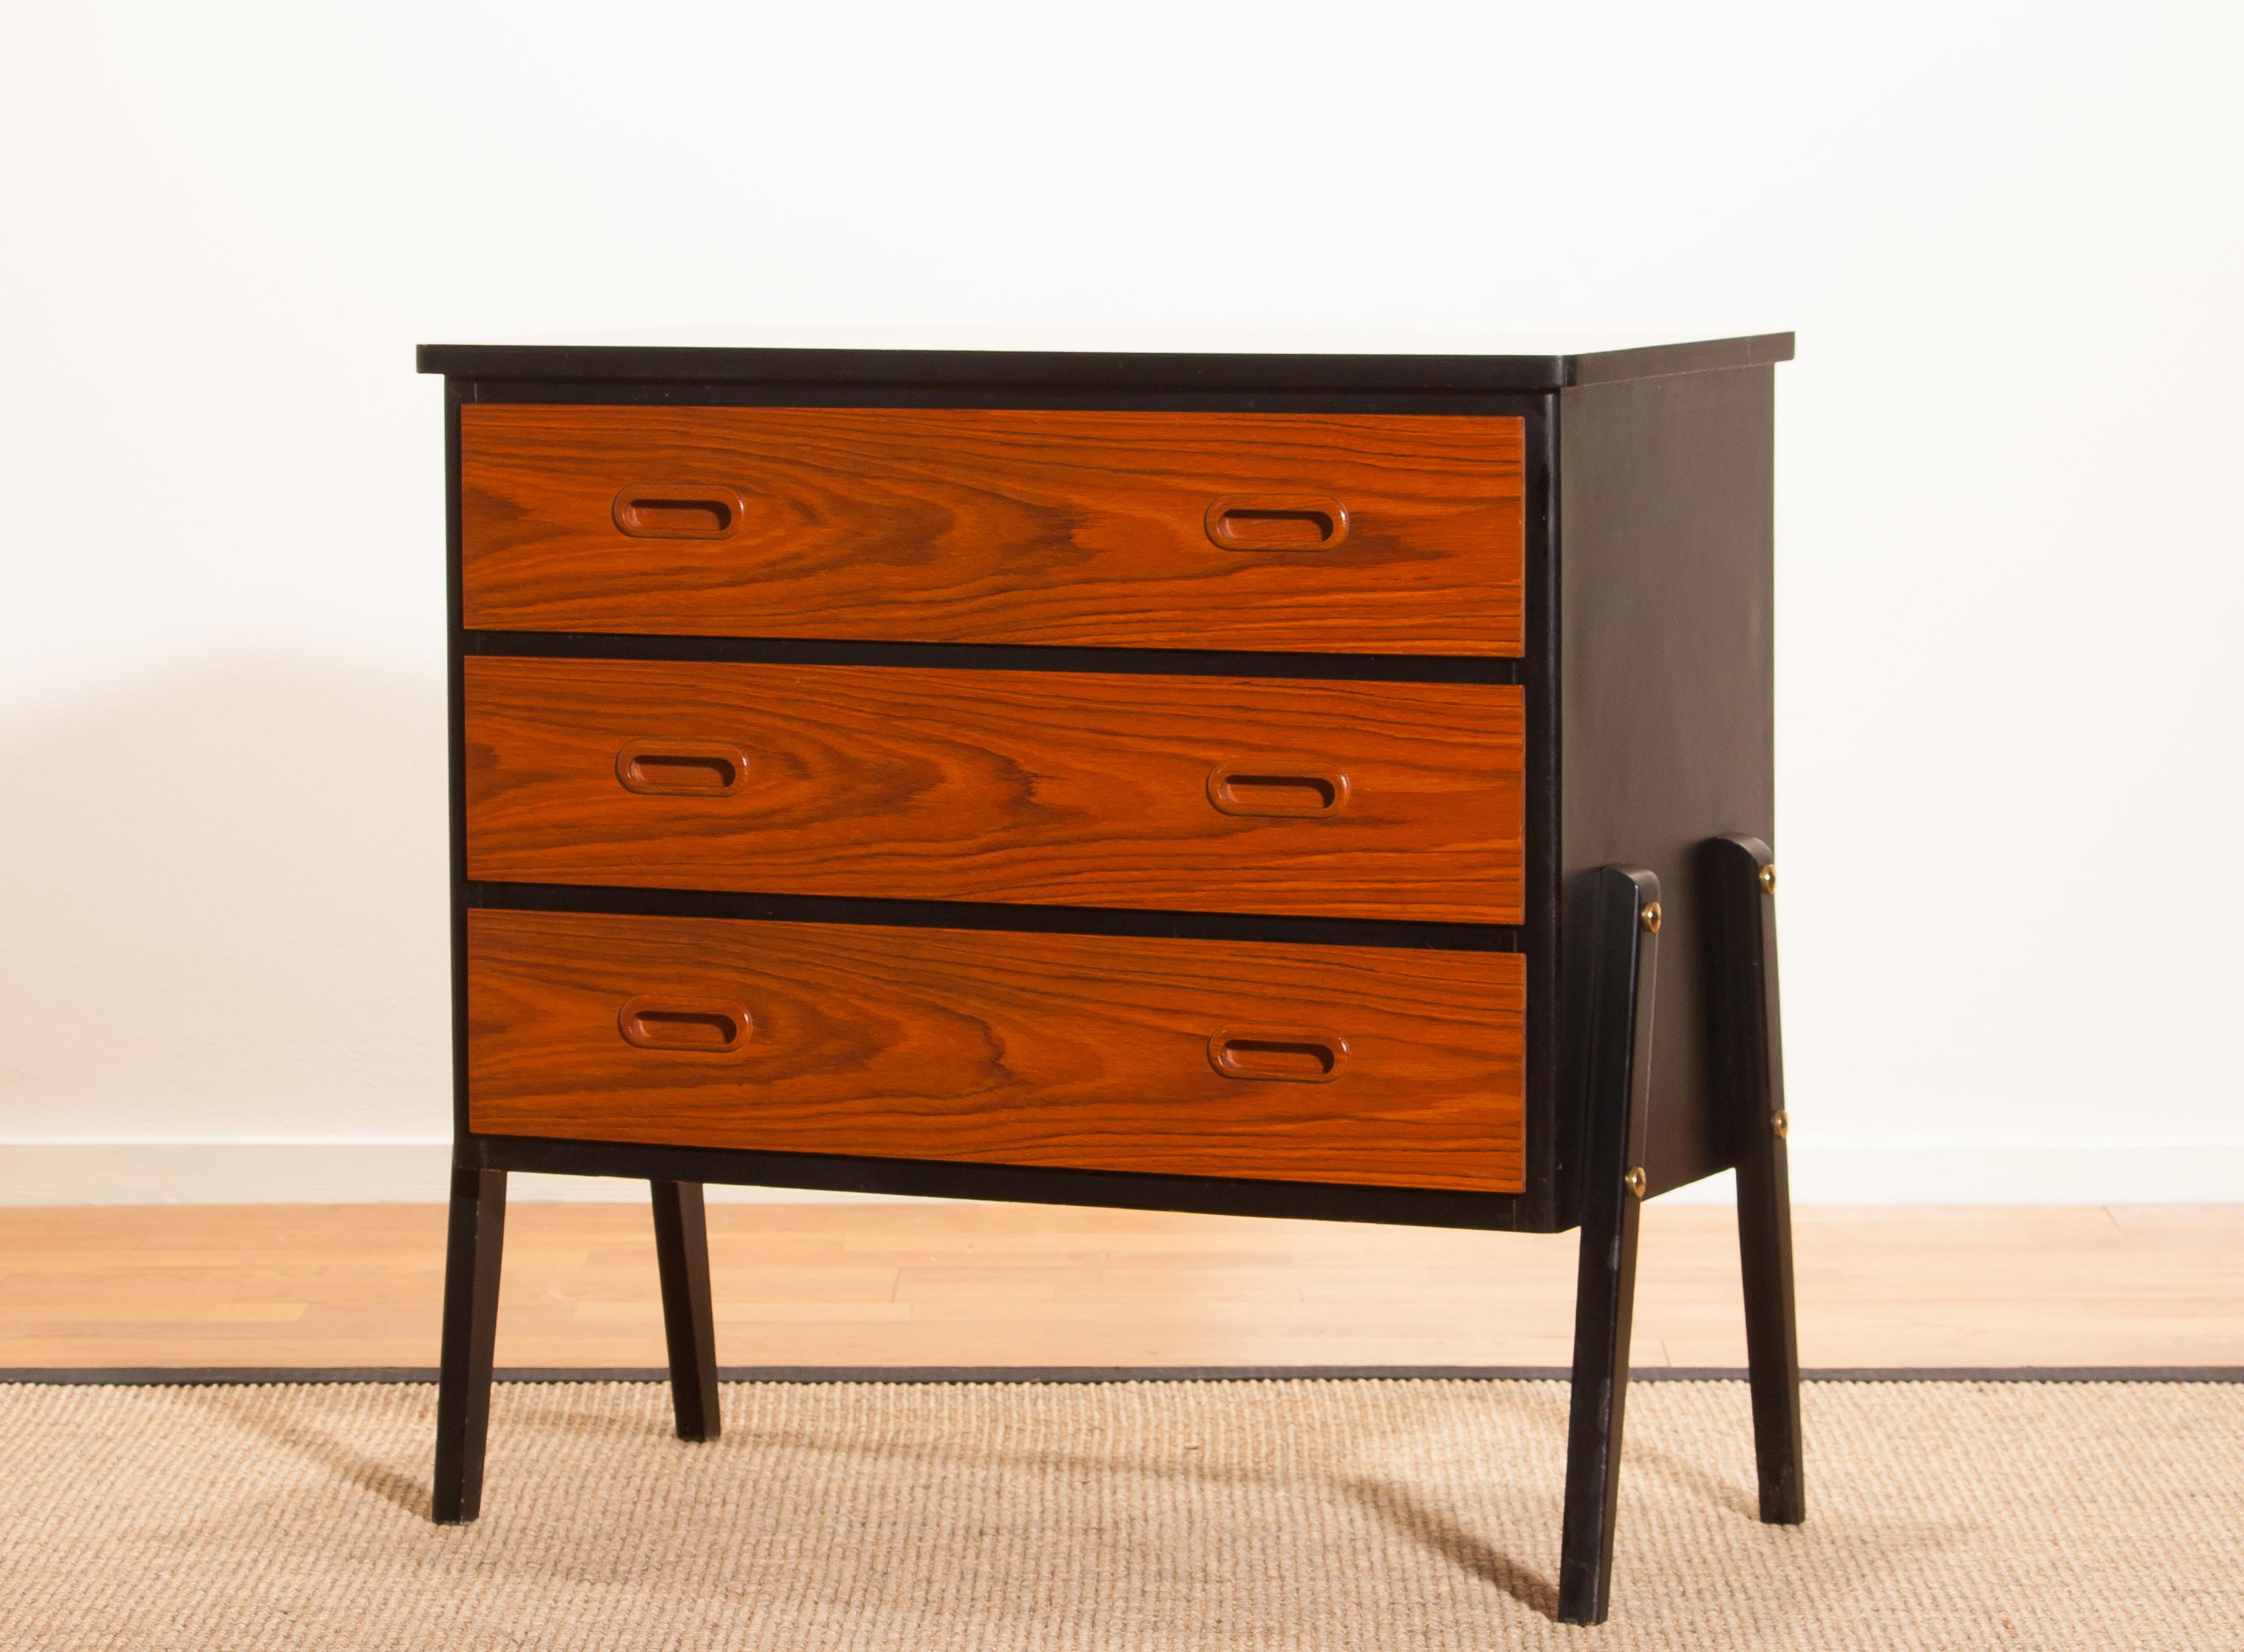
x=1652, y=1051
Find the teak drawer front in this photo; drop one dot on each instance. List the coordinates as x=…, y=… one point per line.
x=1301, y=532
x=1337, y=799
x=1361, y=1065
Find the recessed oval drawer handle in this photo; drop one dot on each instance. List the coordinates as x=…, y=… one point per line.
x=1295, y=1055
x=678, y=510
x=1283, y=787
x=682, y=768
x=1277, y=522
x=695, y=1026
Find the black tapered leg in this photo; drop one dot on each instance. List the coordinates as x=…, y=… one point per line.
x=1618, y=1109
x=471, y=1259
x=681, y=1250
x=1750, y=1030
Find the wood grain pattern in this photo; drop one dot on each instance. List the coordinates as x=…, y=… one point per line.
x=1054, y=788
x=1057, y=1050
x=960, y=525
x=950, y=1282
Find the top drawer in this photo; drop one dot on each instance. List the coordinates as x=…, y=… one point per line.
x=1305, y=532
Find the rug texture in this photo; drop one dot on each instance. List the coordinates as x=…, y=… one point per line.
x=1047, y=1517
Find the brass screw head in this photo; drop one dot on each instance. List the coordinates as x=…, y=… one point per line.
x=1651, y=916
x=1781, y=1123
x=1635, y=1181
x=1768, y=879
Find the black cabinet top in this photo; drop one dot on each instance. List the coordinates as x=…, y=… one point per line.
x=1402, y=363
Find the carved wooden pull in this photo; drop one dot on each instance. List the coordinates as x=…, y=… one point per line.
x=682, y=768
x=1274, y=521
x=1285, y=786
x=678, y=510
x=1290, y=1054
x=696, y=1026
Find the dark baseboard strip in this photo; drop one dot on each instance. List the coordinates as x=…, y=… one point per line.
x=164, y=1376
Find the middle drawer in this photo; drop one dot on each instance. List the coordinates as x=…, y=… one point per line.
x=1219, y=794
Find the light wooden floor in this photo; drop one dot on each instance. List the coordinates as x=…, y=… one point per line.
x=950, y=1284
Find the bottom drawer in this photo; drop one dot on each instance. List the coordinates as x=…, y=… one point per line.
x=1367, y=1065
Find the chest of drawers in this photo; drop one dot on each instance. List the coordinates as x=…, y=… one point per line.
x=1249, y=783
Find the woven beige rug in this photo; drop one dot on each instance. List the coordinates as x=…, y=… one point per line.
x=1298, y=1515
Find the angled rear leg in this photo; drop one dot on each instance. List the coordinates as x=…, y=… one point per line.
x=1750, y=1038
x=1619, y=1109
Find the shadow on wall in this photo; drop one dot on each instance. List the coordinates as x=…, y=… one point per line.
x=224, y=890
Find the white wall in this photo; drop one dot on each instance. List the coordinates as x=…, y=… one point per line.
x=2009, y=573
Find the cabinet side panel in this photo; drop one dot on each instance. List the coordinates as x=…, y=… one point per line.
x=1667, y=544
